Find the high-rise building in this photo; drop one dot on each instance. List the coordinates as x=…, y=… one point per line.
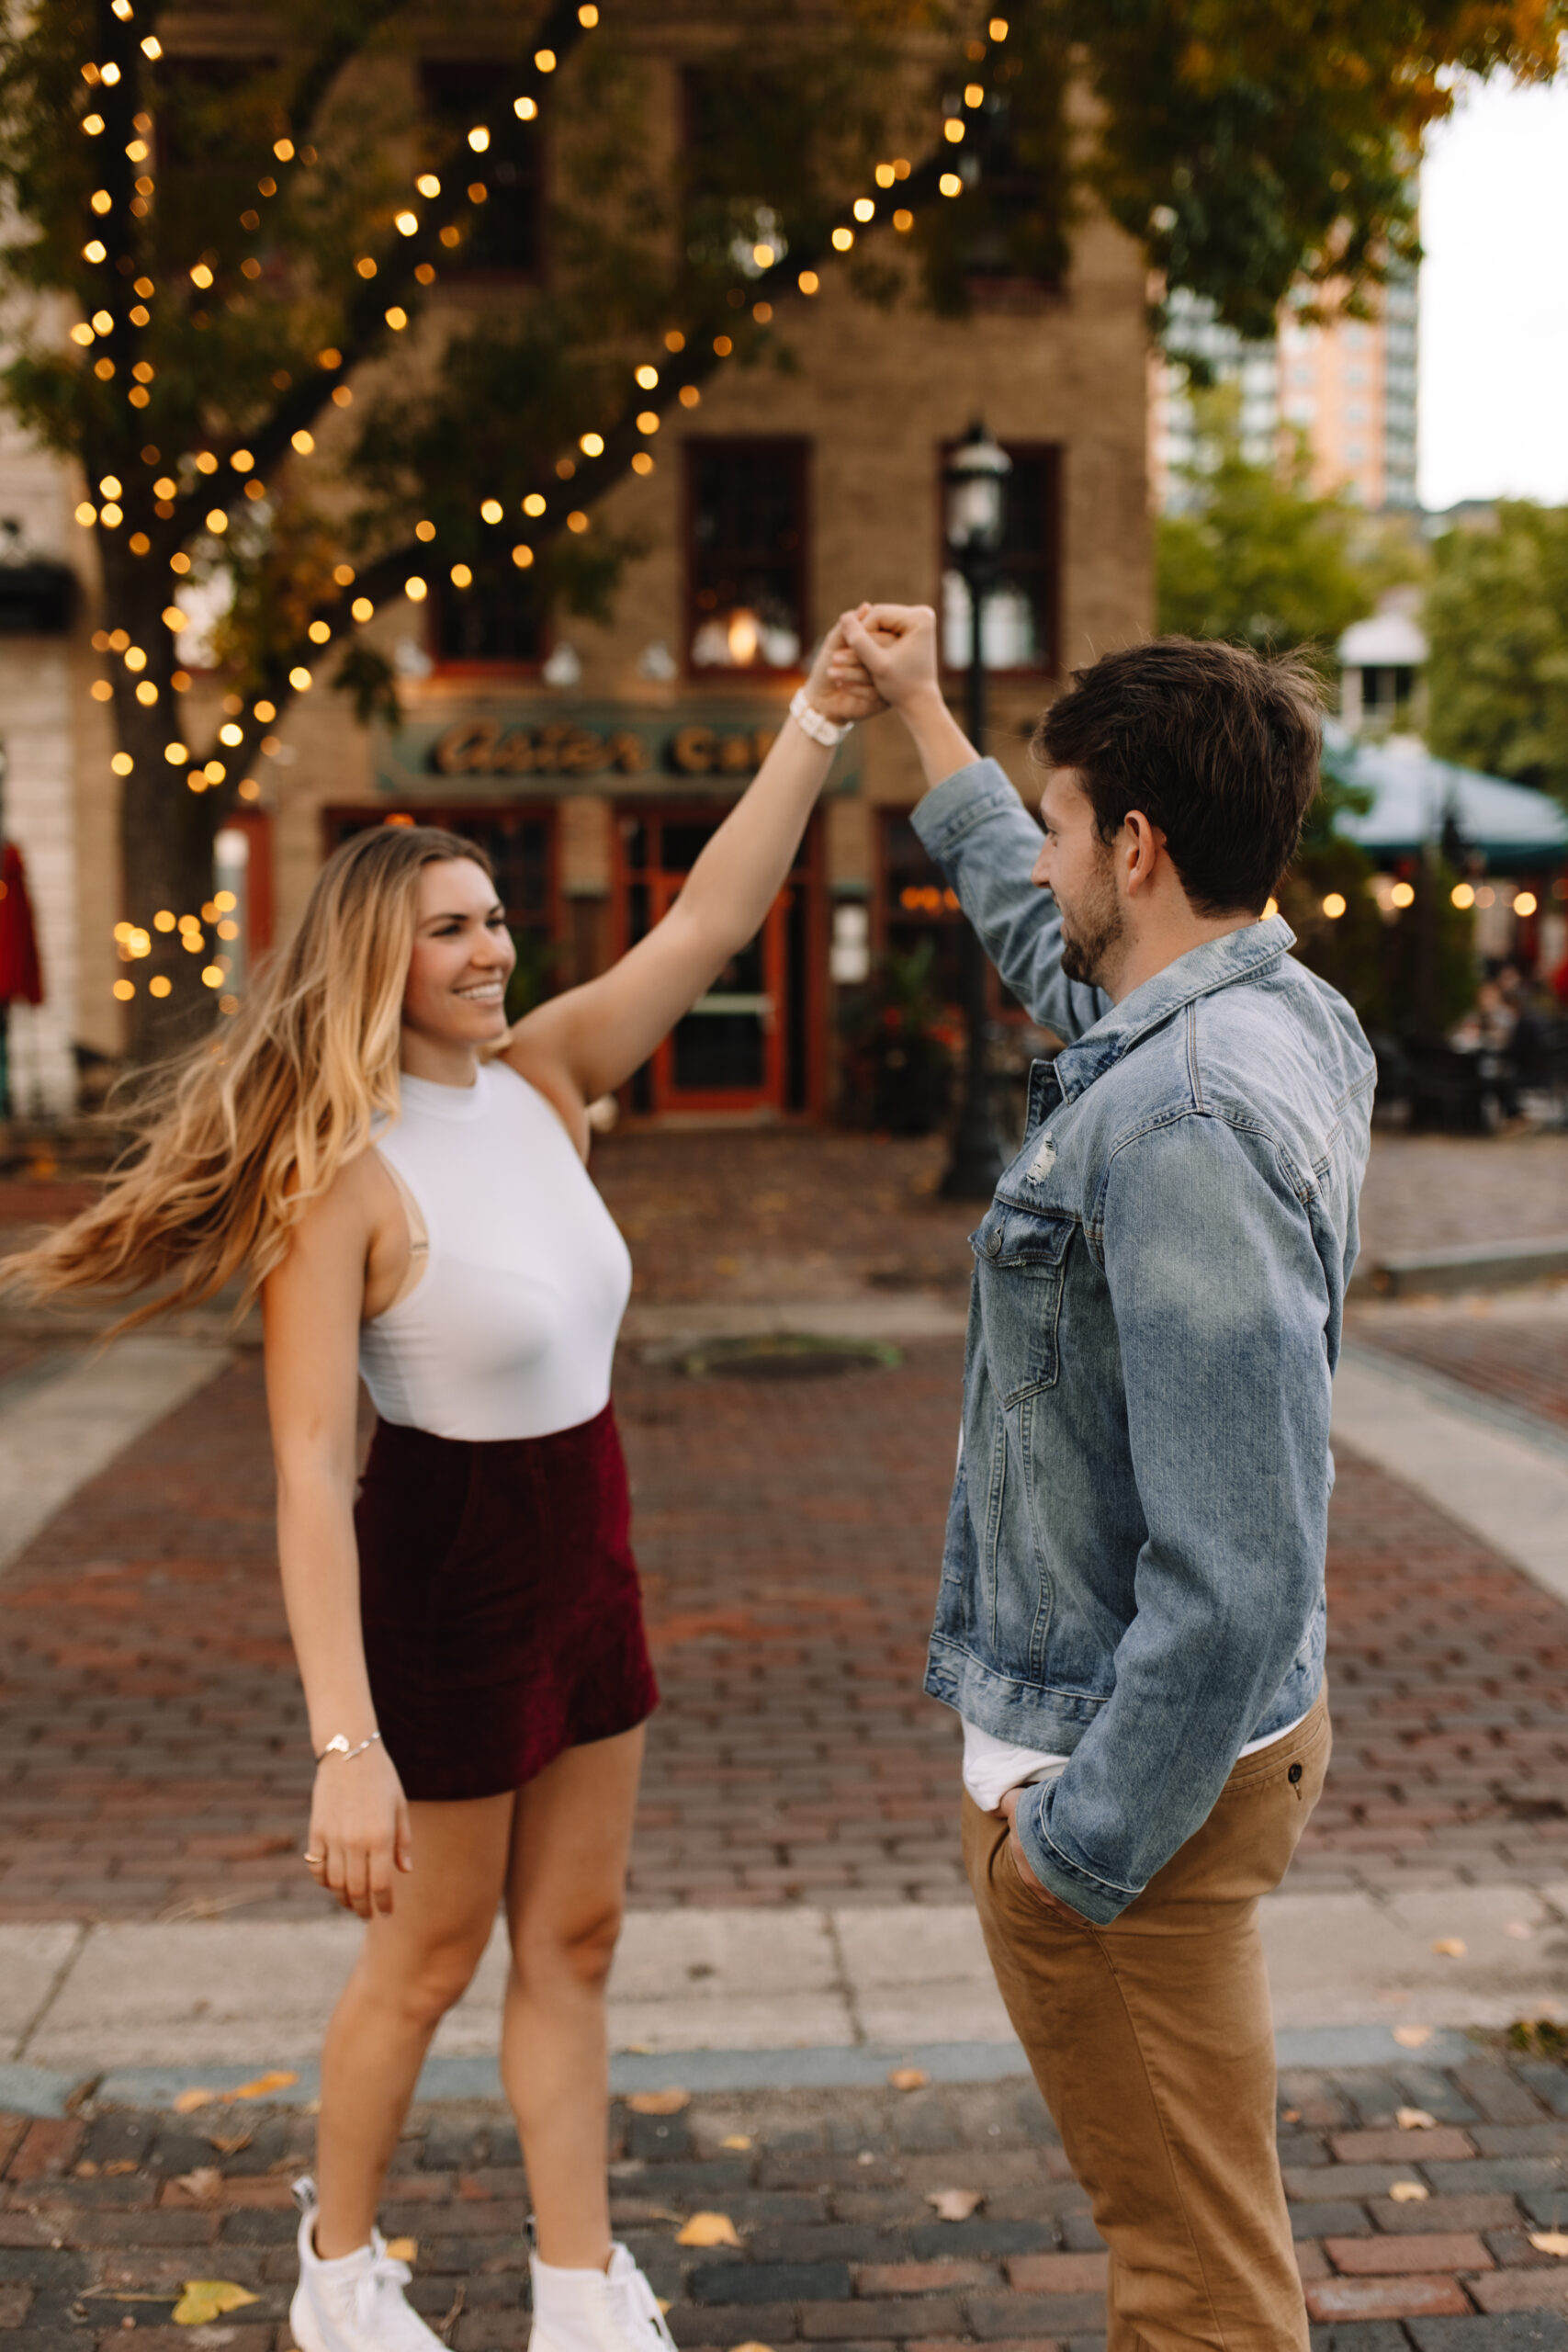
x=1349, y=387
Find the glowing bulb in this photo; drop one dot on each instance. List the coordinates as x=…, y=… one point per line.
x=176, y=754
x=1334, y=906
x=953, y=131
x=808, y=281
x=1525, y=903
x=415, y=590
x=200, y=275
x=763, y=255
x=299, y=679
x=950, y=185
x=319, y=633
x=865, y=208
x=591, y=444
x=230, y=734
x=407, y=224
x=842, y=240
x=646, y=378
x=532, y=503
x=424, y=530
x=525, y=109
x=522, y=557
x=492, y=510
x=974, y=95
x=648, y=421
x=545, y=59
x=397, y=319
x=1462, y=895
x=362, y=609
x=462, y=576
x=427, y=184
x=479, y=139
x=1403, y=895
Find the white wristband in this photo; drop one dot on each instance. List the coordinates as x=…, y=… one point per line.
x=811, y=722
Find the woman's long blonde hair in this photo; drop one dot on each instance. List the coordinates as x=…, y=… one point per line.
x=232, y=1140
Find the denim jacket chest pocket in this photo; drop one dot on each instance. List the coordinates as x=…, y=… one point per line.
x=1021, y=1259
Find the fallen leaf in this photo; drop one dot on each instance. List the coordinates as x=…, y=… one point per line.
x=1408, y=2192
x=736, y=2140
x=119, y=2167
x=278, y=2080
x=753, y=2347
x=1550, y=2242
x=187, y=2102
x=955, y=2204
x=1415, y=2119
x=204, y=2184
x=907, y=2078
x=208, y=2299
x=1290, y=2115
x=404, y=2249
x=637, y=2048
x=1411, y=2037
x=708, y=2229
x=663, y=2302
x=87, y=2170
x=1520, y=1929
x=228, y=2144
x=665, y=2102
x=1450, y=1947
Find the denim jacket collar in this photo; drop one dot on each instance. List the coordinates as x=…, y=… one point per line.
x=1235, y=956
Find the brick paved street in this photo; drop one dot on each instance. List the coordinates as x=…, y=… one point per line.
x=1513, y=1351
x=151, y=1743
x=1406, y=2238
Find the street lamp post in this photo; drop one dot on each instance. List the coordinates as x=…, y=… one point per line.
x=975, y=482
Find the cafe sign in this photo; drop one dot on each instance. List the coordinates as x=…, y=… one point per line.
x=582, y=748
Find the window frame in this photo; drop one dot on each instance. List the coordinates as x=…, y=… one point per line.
x=1054, y=454
x=800, y=448
x=455, y=269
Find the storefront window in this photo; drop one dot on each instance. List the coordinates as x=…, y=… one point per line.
x=745, y=555
x=1019, y=626
x=499, y=617
x=503, y=234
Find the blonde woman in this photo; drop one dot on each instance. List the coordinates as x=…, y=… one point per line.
x=403, y=1181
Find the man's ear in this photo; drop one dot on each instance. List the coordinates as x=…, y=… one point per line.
x=1141, y=852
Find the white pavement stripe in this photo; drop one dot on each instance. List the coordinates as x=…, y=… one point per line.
x=1512, y=1494
x=909, y=1974
x=56, y=1439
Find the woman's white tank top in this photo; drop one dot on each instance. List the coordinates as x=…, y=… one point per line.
x=509, y=1330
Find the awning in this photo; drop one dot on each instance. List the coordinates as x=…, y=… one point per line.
x=1515, y=829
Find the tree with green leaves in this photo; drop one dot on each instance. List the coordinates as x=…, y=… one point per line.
x=247, y=239
x=1497, y=617
x=1254, y=554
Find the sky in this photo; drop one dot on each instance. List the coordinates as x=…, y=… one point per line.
x=1493, y=350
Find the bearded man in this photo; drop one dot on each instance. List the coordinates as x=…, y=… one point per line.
x=1131, y=1623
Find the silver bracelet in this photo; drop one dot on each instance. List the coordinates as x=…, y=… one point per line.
x=810, y=721
x=338, y=1746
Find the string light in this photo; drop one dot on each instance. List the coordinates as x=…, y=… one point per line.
x=591, y=444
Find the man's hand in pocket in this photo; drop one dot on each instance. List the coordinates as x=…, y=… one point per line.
x=1020, y=1861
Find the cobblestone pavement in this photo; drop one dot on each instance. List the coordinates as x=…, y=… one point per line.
x=793, y=1213
x=1512, y=1349
x=153, y=1760
x=1407, y=2237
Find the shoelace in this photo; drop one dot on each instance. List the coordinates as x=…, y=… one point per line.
x=383, y=2269
x=643, y=2304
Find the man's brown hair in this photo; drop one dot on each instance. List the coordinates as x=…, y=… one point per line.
x=1217, y=745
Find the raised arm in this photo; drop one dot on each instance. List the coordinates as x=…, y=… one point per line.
x=312, y=1307
x=971, y=821
x=593, y=1037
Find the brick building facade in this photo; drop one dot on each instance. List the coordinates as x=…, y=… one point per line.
x=591, y=759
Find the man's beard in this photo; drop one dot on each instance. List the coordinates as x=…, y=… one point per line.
x=1092, y=930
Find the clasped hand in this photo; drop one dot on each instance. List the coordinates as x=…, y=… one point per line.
x=874, y=659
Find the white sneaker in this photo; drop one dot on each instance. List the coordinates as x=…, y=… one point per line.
x=594, y=2310
x=355, y=2303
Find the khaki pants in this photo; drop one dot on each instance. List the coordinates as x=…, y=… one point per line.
x=1153, y=2043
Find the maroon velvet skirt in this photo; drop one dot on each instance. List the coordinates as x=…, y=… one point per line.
x=499, y=1600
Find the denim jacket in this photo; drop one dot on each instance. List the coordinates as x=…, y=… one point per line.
x=1133, y=1568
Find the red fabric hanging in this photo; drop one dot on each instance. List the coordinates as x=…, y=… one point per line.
x=21, y=980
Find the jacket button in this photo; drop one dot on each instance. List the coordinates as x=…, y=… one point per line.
x=993, y=1245
x=1294, y=1774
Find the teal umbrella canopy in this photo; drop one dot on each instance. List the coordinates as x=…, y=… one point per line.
x=1515, y=829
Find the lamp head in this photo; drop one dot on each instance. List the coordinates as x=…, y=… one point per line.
x=974, y=480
